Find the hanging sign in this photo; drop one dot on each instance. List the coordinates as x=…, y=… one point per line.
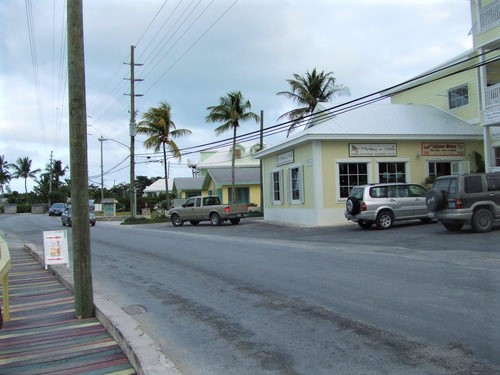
x=443, y=149
x=372, y=149
x=55, y=247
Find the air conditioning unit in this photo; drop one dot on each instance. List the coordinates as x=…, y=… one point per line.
x=460, y=167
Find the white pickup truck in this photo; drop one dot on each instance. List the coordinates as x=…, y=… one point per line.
x=209, y=208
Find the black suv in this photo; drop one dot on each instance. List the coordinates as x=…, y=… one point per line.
x=472, y=199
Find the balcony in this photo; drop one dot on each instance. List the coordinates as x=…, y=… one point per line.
x=489, y=17
x=492, y=96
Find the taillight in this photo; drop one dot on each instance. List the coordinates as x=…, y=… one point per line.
x=364, y=207
x=227, y=209
x=459, y=203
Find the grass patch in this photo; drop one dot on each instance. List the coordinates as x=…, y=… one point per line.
x=143, y=220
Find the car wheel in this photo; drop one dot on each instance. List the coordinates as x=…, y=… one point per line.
x=194, y=222
x=176, y=220
x=69, y=223
x=353, y=205
x=93, y=224
x=235, y=221
x=453, y=227
x=365, y=224
x=435, y=200
x=63, y=223
x=482, y=220
x=215, y=219
x=385, y=220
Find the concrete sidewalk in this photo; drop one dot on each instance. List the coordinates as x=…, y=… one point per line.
x=44, y=337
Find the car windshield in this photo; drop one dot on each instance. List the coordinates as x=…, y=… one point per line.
x=58, y=205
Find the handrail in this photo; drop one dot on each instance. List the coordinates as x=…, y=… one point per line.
x=4, y=276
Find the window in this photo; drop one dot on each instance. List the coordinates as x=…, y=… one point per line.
x=417, y=191
x=437, y=168
x=242, y=194
x=392, y=172
x=295, y=188
x=198, y=202
x=497, y=156
x=351, y=174
x=473, y=184
x=493, y=181
x=277, y=187
x=458, y=97
x=189, y=203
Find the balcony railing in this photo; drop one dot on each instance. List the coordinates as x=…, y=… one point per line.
x=489, y=17
x=492, y=96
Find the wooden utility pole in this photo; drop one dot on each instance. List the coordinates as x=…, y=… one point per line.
x=133, y=131
x=51, y=166
x=82, y=272
x=261, y=148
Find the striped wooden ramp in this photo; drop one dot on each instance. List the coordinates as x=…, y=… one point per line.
x=43, y=335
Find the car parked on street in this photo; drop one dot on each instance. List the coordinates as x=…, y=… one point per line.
x=384, y=203
x=66, y=217
x=56, y=209
x=472, y=199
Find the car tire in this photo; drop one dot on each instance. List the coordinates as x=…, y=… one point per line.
x=353, y=206
x=69, y=223
x=235, y=221
x=453, y=227
x=63, y=223
x=482, y=220
x=176, y=220
x=93, y=224
x=215, y=219
x=385, y=219
x=365, y=224
x=435, y=200
x=194, y=222
x=426, y=220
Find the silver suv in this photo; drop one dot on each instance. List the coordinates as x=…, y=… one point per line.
x=383, y=204
x=472, y=199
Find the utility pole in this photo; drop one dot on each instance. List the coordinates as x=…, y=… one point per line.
x=102, y=139
x=261, y=147
x=50, y=175
x=133, y=130
x=82, y=271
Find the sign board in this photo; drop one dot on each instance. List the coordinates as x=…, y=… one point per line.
x=285, y=158
x=443, y=149
x=55, y=247
x=372, y=149
x=491, y=116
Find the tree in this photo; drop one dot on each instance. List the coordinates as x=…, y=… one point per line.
x=4, y=173
x=308, y=91
x=22, y=169
x=232, y=109
x=157, y=124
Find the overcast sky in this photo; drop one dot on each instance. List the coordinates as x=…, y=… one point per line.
x=196, y=51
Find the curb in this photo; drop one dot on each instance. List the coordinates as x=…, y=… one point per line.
x=140, y=349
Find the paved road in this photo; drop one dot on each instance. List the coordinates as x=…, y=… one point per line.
x=263, y=299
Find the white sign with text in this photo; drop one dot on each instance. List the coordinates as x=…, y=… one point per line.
x=55, y=247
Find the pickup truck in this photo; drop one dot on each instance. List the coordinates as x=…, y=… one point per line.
x=208, y=208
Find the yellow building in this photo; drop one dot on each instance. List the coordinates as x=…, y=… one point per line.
x=468, y=85
x=307, y=178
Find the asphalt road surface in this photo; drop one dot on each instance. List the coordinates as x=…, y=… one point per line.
x=264, y=299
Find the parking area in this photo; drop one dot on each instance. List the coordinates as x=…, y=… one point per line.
x=408, y=235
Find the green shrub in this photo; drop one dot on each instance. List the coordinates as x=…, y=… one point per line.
x=23, y=208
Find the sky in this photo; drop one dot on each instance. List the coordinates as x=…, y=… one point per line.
x=194, y=52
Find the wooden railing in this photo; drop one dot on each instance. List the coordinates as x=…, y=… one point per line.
x=489, y=16
x=492, y=96
x=4, y=276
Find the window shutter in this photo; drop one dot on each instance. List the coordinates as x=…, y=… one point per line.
x=289, y=186
x=280, y=176
x=301, y=183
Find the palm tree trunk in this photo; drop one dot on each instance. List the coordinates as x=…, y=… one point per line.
x=166, y=174
x=233, y=190
x=26, y=186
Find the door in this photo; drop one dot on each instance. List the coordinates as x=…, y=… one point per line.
x=493, y=182
x=188, y=211
x=417, y=200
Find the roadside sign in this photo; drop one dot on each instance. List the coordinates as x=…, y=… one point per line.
x=55, y=247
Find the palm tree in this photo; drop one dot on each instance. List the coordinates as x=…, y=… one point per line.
x=157, y=124
x=308, y=91
x=22, y=169
x=57, y=171
x=4, y=173
x=232, y=109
